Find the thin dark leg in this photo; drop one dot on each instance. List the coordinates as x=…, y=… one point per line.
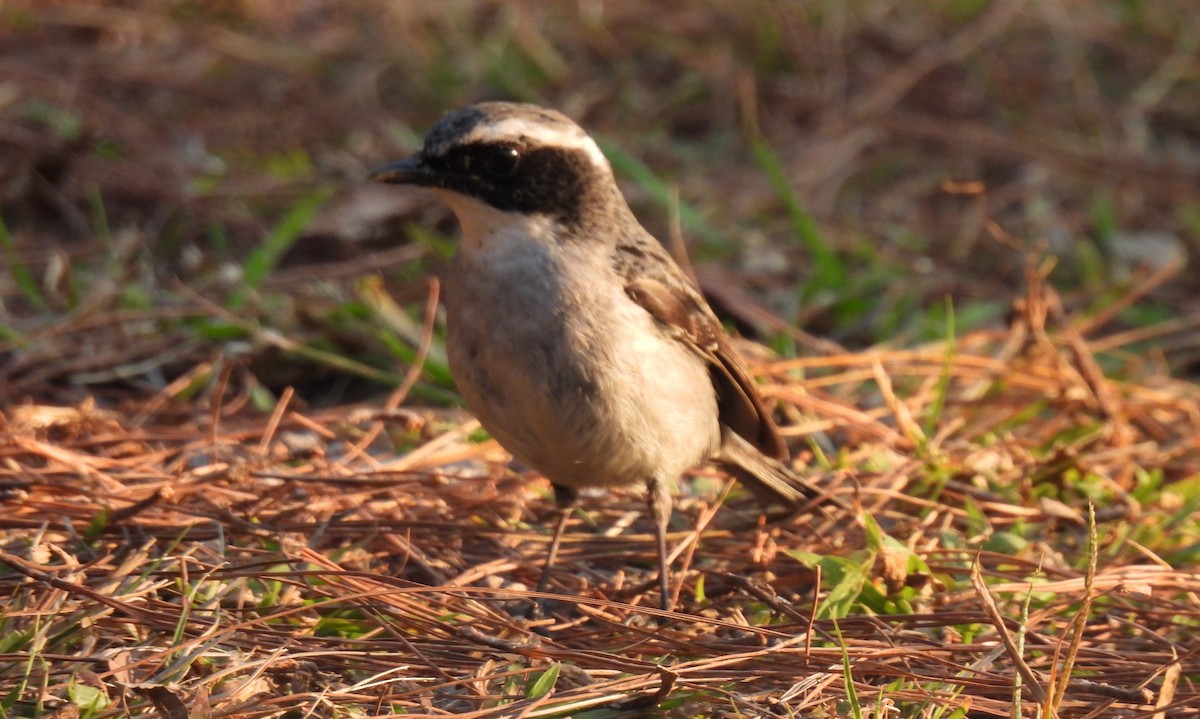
x=658, y=493
x=566, y=499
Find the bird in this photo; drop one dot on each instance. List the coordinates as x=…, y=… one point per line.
x=573, y=336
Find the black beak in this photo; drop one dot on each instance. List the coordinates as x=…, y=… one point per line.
x=409, y=171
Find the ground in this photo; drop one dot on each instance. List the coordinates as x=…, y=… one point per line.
x=960, y=240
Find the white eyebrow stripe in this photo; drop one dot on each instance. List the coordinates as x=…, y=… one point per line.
x=566, y=136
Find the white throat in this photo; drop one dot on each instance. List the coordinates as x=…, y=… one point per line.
x=484, y=228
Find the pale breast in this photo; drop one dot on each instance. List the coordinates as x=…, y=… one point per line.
x=570, y=375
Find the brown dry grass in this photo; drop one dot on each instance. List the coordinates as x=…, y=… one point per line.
x=263, y=566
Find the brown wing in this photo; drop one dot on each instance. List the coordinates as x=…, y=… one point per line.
x=682, y=310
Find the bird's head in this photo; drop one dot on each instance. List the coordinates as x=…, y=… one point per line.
x=511, y=157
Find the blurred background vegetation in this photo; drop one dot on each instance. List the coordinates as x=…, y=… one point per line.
x=183, y=182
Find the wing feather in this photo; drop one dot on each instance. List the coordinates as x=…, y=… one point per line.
x=682, y=311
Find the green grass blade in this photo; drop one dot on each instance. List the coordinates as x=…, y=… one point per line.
x=828, y=270
x=544, y=683
x=943, y=385
x=19, y=272
x=262, y=262
x=847, y=674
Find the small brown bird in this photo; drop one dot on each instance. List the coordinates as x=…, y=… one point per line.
x=573, y=336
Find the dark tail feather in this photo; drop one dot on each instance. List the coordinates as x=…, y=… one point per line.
x=769, y=479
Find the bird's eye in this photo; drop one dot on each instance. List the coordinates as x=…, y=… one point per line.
x=501, y=161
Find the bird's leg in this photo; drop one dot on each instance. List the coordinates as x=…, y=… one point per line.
x=658, y=493
x=566, y=498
